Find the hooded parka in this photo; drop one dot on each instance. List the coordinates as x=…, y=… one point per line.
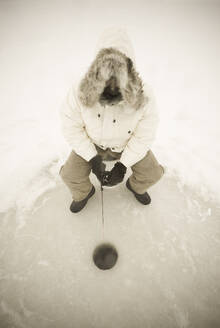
x=120, y=127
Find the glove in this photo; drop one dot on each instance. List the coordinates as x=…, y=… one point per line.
x=98, y=168
x=116, y=175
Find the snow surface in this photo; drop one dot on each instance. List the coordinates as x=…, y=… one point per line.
x=167, y=273
x=169, y=266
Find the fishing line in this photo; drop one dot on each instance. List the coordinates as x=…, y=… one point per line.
x=102, y=198
x=103, y=220
x=104, y=180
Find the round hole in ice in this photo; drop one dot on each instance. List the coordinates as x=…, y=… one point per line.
x=105, y=256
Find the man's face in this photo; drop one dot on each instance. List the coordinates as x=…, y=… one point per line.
x=111, y=93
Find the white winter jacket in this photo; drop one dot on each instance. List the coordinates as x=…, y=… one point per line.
x=120, y=128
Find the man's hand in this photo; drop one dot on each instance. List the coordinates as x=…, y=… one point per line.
x=116, y=175
x=98, y=168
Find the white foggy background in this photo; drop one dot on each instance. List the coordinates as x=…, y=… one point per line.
x=45, y=45
x=168, y=270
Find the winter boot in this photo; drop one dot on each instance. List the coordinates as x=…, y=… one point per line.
x=142, y=198
x=78, y=206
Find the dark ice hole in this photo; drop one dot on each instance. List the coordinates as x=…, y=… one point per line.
x=105, y=256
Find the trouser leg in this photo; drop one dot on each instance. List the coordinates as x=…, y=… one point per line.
x=75, y=174
x=146, y=173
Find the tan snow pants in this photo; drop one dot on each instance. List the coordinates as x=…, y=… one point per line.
x=76, y=170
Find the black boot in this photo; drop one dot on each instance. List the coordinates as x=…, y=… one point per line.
x=142, y=198
x=78, y=206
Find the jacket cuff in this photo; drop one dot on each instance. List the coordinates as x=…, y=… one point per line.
x=89, y=154
x=129, y=161
x=125, y=163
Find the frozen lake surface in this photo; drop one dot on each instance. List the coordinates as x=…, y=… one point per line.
x=167, y=271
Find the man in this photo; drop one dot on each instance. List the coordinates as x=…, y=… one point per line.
x=110, y=115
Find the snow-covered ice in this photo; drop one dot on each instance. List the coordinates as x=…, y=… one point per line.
x=167, y=273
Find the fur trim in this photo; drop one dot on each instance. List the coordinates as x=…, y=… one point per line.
x=111, y=62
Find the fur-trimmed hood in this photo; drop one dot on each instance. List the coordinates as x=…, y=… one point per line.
x=114, y=56
x=117, y=38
